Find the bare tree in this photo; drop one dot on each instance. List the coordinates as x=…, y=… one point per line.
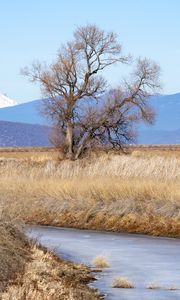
x=84, y=112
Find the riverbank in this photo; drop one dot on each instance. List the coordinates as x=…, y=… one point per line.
x=29, y=271
x=132, y=193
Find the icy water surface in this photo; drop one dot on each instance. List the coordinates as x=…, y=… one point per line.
x=142, y=259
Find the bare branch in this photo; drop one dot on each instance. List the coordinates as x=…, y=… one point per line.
x=83, y=112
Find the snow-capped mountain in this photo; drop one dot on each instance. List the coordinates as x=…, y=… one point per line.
x=5, y=101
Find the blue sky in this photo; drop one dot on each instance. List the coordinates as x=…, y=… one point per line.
x=34, y=30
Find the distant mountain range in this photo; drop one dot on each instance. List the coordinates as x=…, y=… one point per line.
x=29, y=112
x=159, y=137
x=29, y=127
x=166, y=129
x=14, y=134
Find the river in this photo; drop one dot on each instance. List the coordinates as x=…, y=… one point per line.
x=142, y=259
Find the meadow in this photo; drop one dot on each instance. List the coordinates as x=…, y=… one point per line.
x=134, y=192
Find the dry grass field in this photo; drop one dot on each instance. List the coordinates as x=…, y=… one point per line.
x=14, y=251
x=30, y=153
x=29, y=272
x=135, y=192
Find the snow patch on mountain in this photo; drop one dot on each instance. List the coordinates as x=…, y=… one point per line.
x=5, y=101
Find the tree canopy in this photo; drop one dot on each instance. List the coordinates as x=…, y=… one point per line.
x=85, y=112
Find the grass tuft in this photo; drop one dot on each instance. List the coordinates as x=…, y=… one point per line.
x=153, y=286
x=100, y=262
x=122, y=283
x=173, y=288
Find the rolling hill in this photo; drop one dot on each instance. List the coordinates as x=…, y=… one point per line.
x=14, y=134
x=166, y=129
x=28, y=112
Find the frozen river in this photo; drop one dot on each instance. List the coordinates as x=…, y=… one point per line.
x=142, y=259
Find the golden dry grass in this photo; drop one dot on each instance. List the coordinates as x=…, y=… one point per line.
x=122, y=283
x=34, y=154
x=46, y=277
x=31, y=272
x=134, y=193
x=157, y=152
x=108, y=192
x=100, y=262
x=14, y=250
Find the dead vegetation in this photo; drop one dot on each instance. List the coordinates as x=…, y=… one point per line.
x=31, y=272
x=156, y=286
x=173, y=288
x=122, y=283
x=106, y=192
x=100, y=262
x=153, y=286
x=14, y=251
x=46, y=277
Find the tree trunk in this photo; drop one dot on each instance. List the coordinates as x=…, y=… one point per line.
x=81, y=146
x=78, y=152
x=69, y=141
